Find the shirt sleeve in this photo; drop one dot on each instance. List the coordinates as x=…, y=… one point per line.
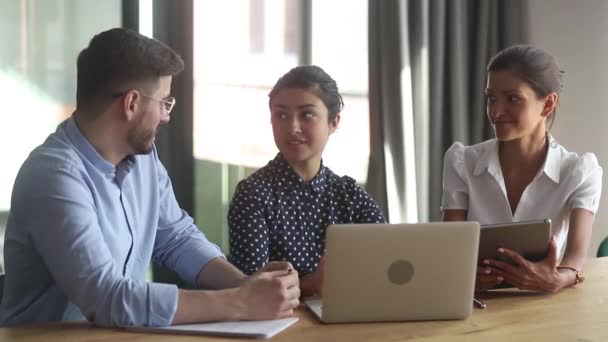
x=588, y=184
x=366, y=209
x=248, y=230
x=179, y=244
x=55, y=207
x=455, y=193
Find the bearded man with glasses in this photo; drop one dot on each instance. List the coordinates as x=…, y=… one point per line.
x=93, y=206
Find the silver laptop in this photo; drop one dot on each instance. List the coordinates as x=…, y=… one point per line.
x=398, y=272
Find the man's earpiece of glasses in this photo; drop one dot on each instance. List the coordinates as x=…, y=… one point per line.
x=168, y=103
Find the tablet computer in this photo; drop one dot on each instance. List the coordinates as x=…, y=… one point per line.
x=528, y=238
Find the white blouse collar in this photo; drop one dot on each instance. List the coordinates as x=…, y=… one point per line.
x=488, y=160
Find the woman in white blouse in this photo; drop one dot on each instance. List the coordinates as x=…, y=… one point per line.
x=525, y=174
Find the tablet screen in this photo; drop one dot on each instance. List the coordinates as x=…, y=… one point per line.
x=529, y=238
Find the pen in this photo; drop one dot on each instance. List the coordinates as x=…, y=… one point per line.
x=479, y=304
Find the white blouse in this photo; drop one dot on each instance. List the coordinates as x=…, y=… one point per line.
x=473, y=181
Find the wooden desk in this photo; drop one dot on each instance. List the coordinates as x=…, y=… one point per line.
x=574, y=314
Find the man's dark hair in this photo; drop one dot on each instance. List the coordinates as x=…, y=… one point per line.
x=118, y=56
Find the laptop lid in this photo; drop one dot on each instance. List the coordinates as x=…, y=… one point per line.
x=399, y=272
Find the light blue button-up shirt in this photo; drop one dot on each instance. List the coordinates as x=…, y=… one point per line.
x=81, y=234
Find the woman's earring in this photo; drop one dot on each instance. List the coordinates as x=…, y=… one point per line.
x=552, y=141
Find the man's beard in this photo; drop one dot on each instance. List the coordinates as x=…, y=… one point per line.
x=141, y=140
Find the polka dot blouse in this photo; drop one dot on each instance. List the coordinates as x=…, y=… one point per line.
x=276, y=215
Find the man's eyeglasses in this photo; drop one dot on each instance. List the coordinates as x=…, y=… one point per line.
x=168, y=102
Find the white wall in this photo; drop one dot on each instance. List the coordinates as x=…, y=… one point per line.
x=576, y=32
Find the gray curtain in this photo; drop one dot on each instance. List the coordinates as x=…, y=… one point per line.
x=463, y=36
x=444, y=47
x=388, y=56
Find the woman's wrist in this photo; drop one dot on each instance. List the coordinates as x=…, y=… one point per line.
x=309, y=285
x=566, y=278
x=578, y=275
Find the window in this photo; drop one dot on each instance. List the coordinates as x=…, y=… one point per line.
x=240, y=51
x=339, y=46
x=241, y=48
x=40, y=43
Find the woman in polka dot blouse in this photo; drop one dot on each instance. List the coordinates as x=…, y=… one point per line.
x=282, y=210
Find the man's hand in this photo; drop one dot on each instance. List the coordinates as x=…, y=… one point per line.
x=271, y=293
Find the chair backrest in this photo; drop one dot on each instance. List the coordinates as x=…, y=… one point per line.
x=1, y=286
x=603, y=250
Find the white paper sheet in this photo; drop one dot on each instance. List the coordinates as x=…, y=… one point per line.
x=255, y=329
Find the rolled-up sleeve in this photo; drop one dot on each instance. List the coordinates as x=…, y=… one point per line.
x=588, y=184
x=179, y=244
x=365, y=209
x=58, y=212
x=455, y=194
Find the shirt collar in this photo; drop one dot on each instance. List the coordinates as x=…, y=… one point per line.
x=317, y=184
x=553, y=162
x=83, y=146
x=488, y=160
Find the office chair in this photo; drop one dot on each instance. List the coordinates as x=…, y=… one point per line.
x=1, y=286
x=603, y=250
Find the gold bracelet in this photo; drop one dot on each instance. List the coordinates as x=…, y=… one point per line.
x=579, y=276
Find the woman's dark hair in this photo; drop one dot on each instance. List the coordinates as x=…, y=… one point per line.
x=535, y=66
x=315, y=79
x=118, y=56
